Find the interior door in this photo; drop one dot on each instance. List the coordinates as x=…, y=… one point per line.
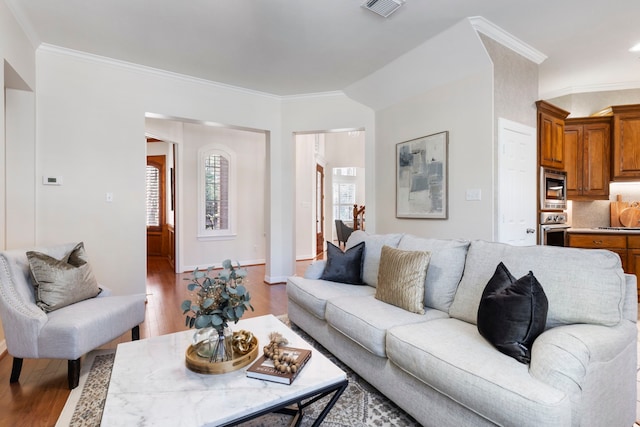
x=517, y=214
x=319, y=209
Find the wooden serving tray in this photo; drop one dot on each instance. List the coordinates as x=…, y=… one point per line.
x=202, y=365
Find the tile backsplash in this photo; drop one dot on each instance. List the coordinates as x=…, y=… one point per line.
x=597, y=213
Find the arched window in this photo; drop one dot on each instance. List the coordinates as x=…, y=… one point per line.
x=216, y=192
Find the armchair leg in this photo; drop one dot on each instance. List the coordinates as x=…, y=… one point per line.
x=16, y=369
x=135, y=333
x=73, y=373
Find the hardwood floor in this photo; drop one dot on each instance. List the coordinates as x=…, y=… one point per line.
x=38, y=399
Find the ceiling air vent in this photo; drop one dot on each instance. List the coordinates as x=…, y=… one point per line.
x=382, y=7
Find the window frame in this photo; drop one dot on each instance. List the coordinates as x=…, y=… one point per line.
x=348, y=178
x=158, y=162
x=229, y=232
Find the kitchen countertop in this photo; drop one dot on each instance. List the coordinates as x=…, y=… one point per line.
x=618, y=230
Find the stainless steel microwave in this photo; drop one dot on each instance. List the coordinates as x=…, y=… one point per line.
x=553, y=189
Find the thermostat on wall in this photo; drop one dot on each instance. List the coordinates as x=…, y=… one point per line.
x=52, y=180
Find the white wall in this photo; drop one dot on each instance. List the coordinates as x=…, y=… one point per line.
x=305, y=203
x=446, y=85
x=464, y=108
x=17, y=72
x=20, y=169
x=248, y=246
x=588, y=103
x=91, y=127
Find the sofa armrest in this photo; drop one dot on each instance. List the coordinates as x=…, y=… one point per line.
x=630, y=303
x=105, y=292
x=315, y=269
x=584, y=360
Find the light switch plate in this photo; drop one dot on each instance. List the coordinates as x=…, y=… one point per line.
x=474, y=194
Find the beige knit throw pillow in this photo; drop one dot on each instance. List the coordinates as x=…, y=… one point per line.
x=401, y=278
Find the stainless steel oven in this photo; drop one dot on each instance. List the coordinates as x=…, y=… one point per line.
x=553, y=228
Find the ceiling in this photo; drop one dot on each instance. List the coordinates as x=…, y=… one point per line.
x=293, y=47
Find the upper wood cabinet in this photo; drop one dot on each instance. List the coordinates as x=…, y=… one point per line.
x=587, y=145
x=626, y=142
x=551, y=135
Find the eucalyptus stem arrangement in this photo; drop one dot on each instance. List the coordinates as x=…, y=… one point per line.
x=217, y=300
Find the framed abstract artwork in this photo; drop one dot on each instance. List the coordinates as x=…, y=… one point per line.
x=421, y=177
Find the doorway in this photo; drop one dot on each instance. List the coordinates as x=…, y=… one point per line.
x=318, y=156
x=319, y=209
x=160, y=199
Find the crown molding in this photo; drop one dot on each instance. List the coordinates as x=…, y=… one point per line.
x=130, y=66
x=312, y=95
x=491, y=30
x=89, y=57
x=604, y=87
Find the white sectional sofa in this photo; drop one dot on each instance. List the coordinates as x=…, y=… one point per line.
x=437, y=366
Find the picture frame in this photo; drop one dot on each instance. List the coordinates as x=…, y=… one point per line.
x=422, y=177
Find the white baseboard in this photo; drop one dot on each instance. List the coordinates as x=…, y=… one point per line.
x=3, y=347
x=244, y=263
x=272, y=280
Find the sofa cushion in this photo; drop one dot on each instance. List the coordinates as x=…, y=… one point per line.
x=103, y=319
x=61, y=282
x=366, y=320
x=452, y=357
x=401, y=276
x=372, y=249
x=344, y=267
x=445, y=267
x=581, y=285
x=315, y=269
x=512, y=313
x=312, y=294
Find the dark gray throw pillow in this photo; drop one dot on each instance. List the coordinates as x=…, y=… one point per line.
x=344, y=267
x=512, y=313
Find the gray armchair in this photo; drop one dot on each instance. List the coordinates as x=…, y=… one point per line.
x=67, y=333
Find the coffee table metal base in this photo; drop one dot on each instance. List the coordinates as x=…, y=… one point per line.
x=296, y=406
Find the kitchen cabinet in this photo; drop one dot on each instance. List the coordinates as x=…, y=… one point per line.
x=551, y=135
x=626, y=142
x=627, y=246
x=587, y=144
x=614, y=242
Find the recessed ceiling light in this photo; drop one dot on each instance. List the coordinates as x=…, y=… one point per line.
x=635, y=48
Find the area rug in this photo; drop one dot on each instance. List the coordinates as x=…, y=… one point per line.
x=360, y=405
x=85, y=403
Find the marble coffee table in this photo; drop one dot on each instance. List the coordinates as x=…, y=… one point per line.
x=151, y=386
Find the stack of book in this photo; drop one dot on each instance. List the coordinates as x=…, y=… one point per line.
x=264, y=369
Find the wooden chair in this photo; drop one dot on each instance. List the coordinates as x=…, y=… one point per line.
x=358, y=217
x=343, y=231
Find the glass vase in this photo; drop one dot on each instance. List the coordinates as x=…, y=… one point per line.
x=213, y=344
